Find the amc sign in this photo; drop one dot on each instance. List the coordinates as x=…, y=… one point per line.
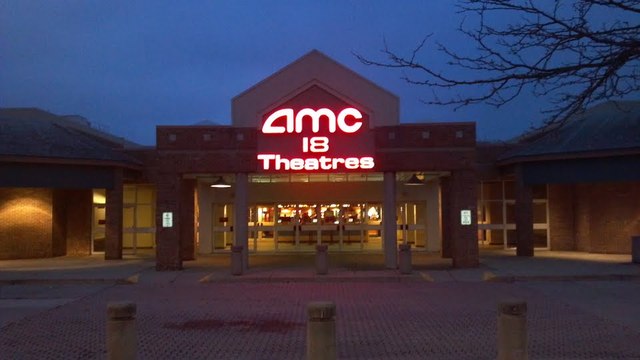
x=315, y=139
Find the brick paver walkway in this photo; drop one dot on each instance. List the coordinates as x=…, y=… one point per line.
x=375, y=320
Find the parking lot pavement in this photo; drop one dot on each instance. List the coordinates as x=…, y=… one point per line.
x=19, y=302
x=579, y=306
x=184, y=318
x=615, y=301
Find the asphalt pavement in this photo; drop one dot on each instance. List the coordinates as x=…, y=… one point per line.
x=579, y=306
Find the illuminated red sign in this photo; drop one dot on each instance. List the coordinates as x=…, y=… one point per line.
x=316, y=117
x=299, y=136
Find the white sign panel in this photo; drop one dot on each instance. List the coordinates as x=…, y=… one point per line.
x=167, y=219
x=465, y=217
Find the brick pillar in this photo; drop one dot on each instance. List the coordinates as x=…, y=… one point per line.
x=187, y=221
x=59, y=216
x=523, y=216
x=241, y=217
x=113, y=218
x=79, y=212
x=464, y=238
x=445, y=206
x=168, y=238
x=389, y=225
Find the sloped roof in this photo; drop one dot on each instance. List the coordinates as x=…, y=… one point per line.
x=35, y=133
x=607, y=128
x=315, y=69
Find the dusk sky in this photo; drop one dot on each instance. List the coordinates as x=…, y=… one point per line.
x=128, y=66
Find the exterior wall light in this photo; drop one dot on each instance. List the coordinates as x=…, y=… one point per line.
x=220, y=183
x=414, y=180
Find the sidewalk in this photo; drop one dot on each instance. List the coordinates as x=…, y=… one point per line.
x=495, y=266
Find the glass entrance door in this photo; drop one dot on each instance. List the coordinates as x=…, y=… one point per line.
x=287, y=227
x=412, y=219
x=300, y=227
x=98, y=229
x=330, y=226
x=262, y=228
x=310, y=226
x=222, y=231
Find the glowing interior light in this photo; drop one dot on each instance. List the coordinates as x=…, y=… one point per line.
x=373, y=213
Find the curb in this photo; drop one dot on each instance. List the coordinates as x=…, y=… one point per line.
x=525, y=278
x=127, y=281
x=241, y=279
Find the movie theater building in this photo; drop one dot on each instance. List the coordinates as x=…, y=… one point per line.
x=316, y=154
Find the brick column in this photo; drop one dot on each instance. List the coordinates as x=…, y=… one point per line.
x=79, y=214
x=241, y=217
x=168, y=238
x=523, y=216
x=389, y=226
x=113, y=218
x=464, y=238
x=445, y=206
x=187, y=221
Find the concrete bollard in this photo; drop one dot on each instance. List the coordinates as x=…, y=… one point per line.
x=322, y=260
x=404, y=259
x=122, y=341
x=635, y=249
x=512, y=330
x=321, y=330
x=236, y=260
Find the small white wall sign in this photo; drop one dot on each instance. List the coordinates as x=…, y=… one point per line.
x=167, y=219
x=465, y=217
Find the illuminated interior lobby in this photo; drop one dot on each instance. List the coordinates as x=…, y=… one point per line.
x=315, y=154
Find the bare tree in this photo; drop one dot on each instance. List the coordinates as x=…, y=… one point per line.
x=561, y=50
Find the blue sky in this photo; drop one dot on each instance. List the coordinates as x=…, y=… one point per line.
x=128, y=66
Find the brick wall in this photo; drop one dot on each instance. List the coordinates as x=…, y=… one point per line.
x=25, y=223
x=463, y=238
x=561, y=217
x=40, y=223
x=59, y=235
x=605, y=216
x=168, y=246
x=614, y=214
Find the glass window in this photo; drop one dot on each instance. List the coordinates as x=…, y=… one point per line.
x=279, y=178
x=260, y=178
x=509, y=190
x=511, y=213
x=318, y=177
x=512, y=239
x=144, y=216
x=539, y=191
x=337, y=177
x=494, y=236
x=145, y=195
x=540, y=213
x=127, y=217
x=129, y=194
x=540, y=238
x=492, y=212
x=492, y=190
x=299, y=178
x=357, y=177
